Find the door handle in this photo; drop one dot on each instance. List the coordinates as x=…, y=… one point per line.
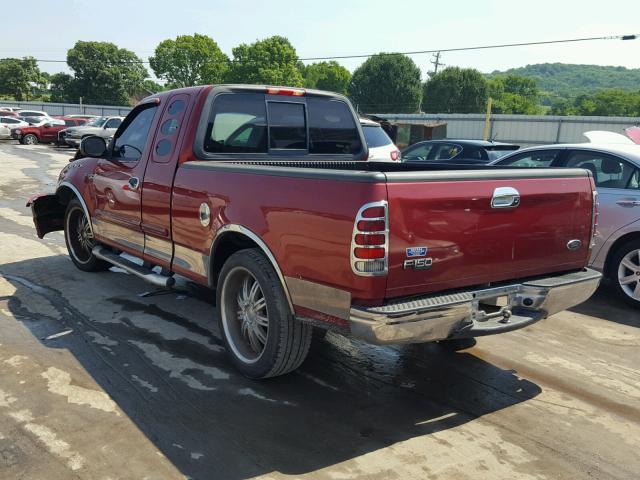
x=628, y=203
x=134, y=183
x=505, y=197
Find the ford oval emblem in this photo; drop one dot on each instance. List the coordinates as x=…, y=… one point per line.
x=574, y=244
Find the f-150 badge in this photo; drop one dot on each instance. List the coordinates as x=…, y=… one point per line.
x=416, y=252
x=418, y=263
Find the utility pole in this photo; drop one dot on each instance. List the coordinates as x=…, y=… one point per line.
x=436, y=63
x=487, y=120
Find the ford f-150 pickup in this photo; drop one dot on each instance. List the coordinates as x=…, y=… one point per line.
x=264, y=195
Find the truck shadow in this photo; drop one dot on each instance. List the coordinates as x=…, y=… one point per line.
x=347, y=400
x=605, y=305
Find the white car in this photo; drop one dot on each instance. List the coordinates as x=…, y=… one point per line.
x=32, y=113
x=10, y=109
x=7, y=123
x=381, y=147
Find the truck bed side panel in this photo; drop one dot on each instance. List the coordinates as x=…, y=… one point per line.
x=307, y=223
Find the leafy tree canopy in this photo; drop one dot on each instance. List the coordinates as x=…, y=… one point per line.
x=329, y=76
x=569, y=80
x=612, y=102
x=386, y=83
x=272, y=61
x=455, y=90
x=104, y=73
x=514, y=94
x=189, y=60
x=17, y=76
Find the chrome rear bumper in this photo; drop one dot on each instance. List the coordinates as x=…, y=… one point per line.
x=470, y=313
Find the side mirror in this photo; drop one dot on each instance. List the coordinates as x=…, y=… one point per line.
x=47, y=125
x=93, y=146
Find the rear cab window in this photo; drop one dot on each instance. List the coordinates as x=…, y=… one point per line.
x=279, y=125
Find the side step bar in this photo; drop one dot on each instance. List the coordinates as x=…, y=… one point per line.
x=156, y=279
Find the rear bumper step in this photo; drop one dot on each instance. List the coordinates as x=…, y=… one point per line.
x=469, y=313
x=133, y=268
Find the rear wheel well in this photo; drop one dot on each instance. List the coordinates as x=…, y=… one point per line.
x=227, y=245
x=614, y=247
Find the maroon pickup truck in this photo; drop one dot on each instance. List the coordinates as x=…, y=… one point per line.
x=45, y=133
x=264, y=194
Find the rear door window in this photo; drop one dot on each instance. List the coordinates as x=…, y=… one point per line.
x=444, y=151
x=608, y=171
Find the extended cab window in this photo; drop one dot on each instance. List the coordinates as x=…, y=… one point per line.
x=131, y=141
x=238, y=124
x=332, y=127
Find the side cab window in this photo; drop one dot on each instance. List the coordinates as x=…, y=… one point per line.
x=533, y=159
x=131, y=139
x=113, y=123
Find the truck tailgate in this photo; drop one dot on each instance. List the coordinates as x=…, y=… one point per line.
x=469, y=241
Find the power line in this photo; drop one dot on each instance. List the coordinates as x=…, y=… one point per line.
x=433, y=51
x=484, y=47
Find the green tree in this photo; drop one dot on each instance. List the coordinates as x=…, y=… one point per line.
x=514, y=94
x=329, y=76
x=189, y=60
x=455, y=90
x=104, y=73
x=61, y=88
x=610, y=102
x=386, y=83
x=17, y=76
x=272, y=61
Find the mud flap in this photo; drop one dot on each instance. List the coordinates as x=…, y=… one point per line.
x=48, y=213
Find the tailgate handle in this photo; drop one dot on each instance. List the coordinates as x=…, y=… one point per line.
x=505, y=197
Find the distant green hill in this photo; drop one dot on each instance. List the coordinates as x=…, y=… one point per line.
x=568, y=81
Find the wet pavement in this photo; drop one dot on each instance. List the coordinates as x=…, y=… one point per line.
x=100, y=382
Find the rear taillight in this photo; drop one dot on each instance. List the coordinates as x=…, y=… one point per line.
x=395, y=155
x=370, y=240
x=594, y=220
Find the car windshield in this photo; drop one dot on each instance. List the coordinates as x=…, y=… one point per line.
x=499, y=153
x=96, y=122
x=375, y=136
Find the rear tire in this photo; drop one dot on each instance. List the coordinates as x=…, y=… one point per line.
x=624, y=272
x=79, y=239
x=29, y=139
x=262, y=337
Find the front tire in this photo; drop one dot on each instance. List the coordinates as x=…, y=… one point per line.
x=624, y=272
x=29, y=139
x=79, y=239
x=262, y=337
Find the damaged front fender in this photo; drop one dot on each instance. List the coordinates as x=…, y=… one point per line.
x=48, y=213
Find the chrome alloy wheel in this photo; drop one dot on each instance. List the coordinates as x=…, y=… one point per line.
x=244, y=315
x=80, y=236
x=629, y=274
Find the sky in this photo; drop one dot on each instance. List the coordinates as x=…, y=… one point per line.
x=336, y=27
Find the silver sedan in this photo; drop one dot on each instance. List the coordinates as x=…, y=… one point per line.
x=616, y=172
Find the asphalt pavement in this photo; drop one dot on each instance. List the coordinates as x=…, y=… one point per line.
x=100, y=381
